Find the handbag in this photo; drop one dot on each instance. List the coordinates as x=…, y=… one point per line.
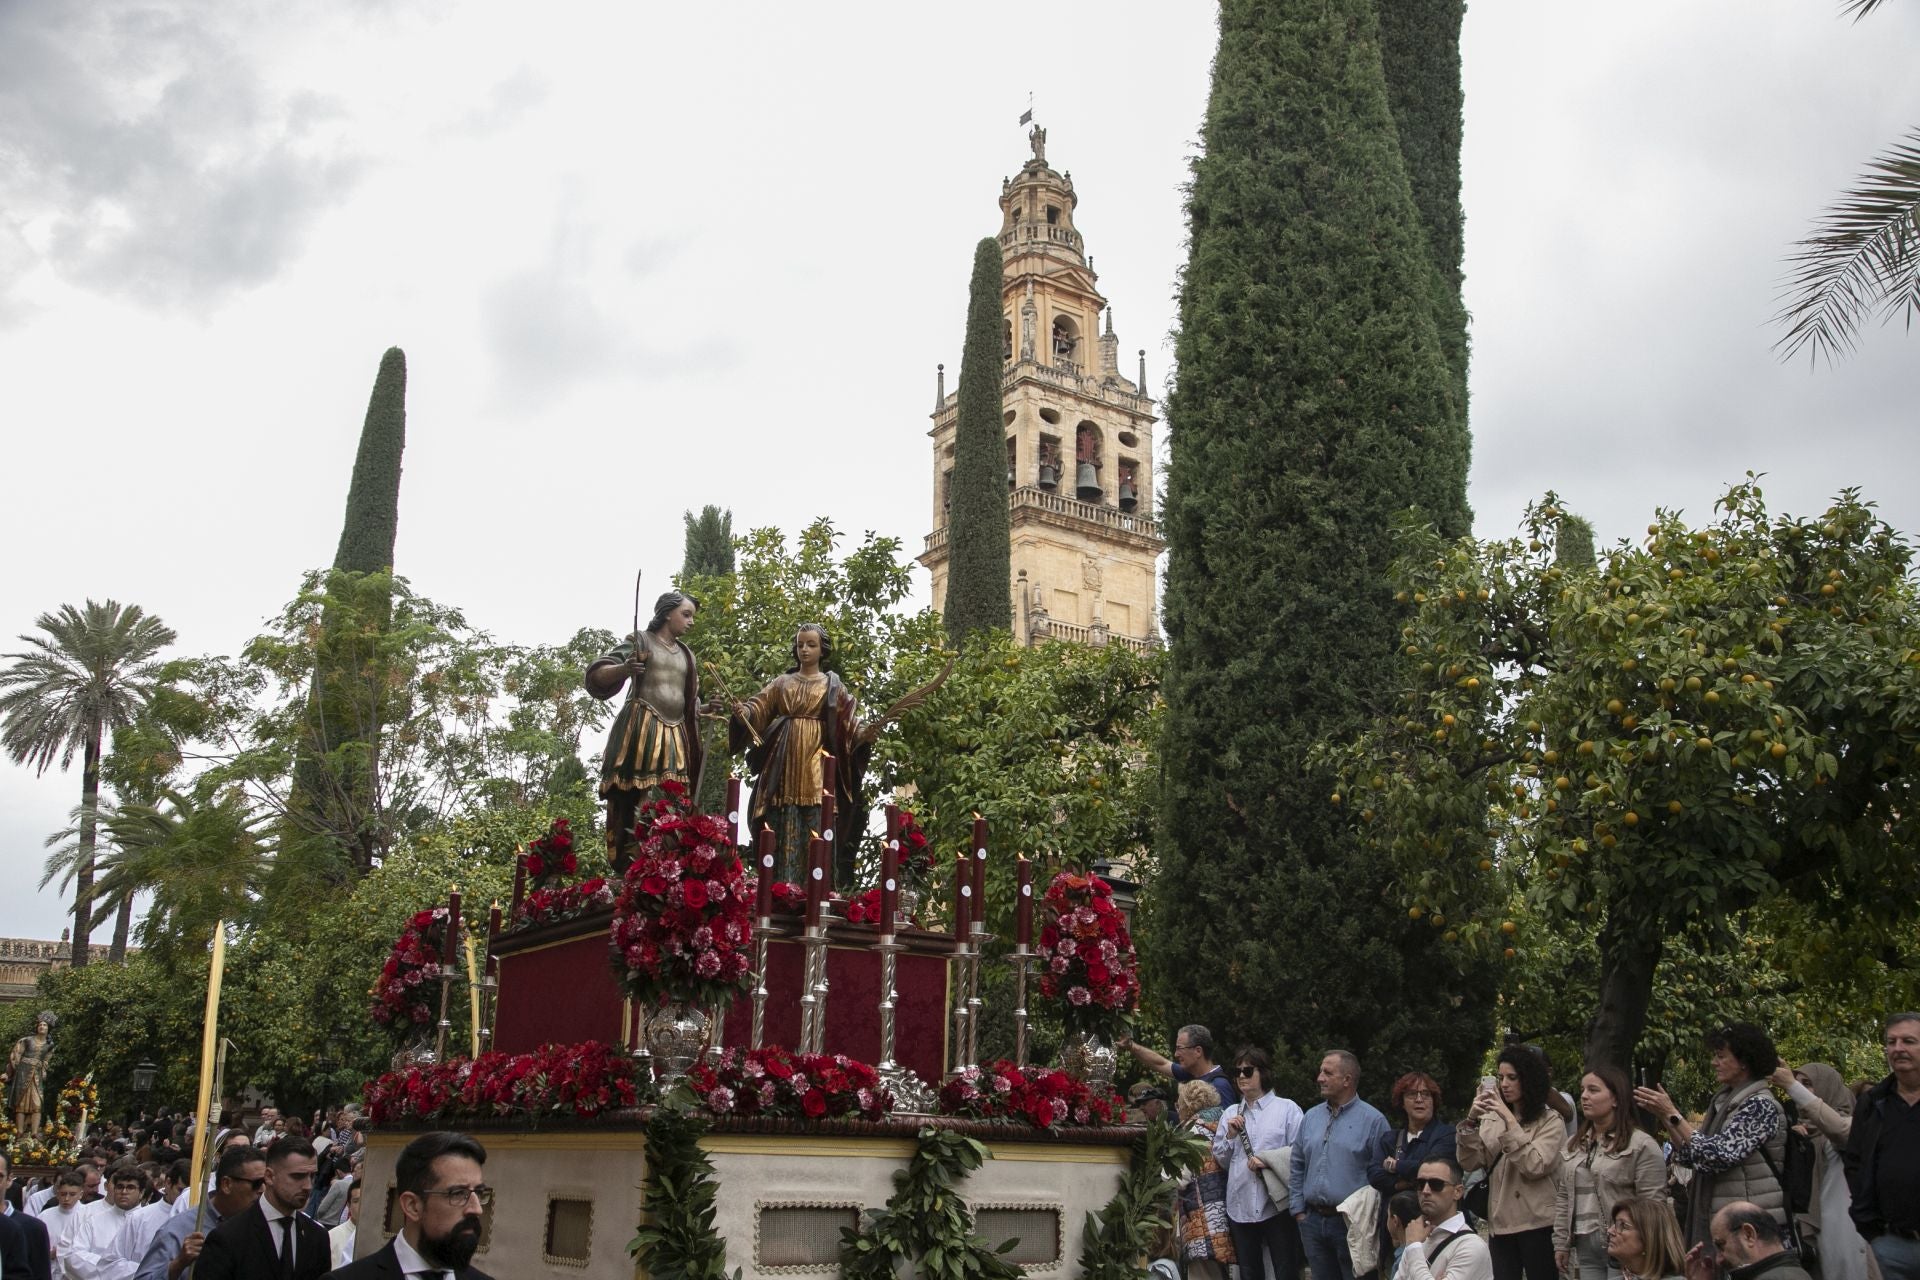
x=1478, y=1202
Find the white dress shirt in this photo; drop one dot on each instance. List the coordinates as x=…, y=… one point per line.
x=1466, y=1258
x=412, y=1264
x=289, y=1235
x=90, y=1253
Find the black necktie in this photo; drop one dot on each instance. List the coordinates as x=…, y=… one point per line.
x=286, y=1248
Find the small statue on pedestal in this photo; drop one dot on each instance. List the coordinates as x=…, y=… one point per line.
x=26, y=1085
x=655, y=738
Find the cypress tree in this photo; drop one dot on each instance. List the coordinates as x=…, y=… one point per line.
x=373, y=501
x=709, y=547
x=333, y=800
x=1313, y=404
x=1420, y=57
x=1573, y=544
x=980, y=571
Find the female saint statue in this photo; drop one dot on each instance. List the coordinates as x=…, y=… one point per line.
x=790, y=723
x=28, y=1068
x=655, y=738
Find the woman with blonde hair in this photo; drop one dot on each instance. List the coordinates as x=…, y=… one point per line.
x=1608, y=1160
x=1643, y=1239
x=1206, y=1247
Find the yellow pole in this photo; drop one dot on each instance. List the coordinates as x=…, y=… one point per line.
x=203, y=1134
x=473, y=996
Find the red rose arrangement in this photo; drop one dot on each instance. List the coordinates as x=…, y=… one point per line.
x=916, y=854
x=1043, y=1098
x=789, y=898
x=569, y=1080
x=545, y=906
x=864, y=907
x=775, y=1082
x=407, y=994
x=683, y=923
x=550, y=858
x=1086, y=954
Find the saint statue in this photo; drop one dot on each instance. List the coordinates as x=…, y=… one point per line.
x=784, y=729
x=655, y=737
x=28, y=1073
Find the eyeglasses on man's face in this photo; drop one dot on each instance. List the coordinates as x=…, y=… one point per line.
x=255, y=1183
x=459, y=1197
x=1435, y=1185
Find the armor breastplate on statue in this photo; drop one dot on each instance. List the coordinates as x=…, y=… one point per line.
x=664, y=686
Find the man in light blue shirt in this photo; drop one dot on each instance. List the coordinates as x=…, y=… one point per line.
x=241, y=1174
x=1330, y=1163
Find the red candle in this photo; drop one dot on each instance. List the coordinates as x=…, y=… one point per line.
x=890, y=871
x=519, y=881
x=733, y=810
x=980, y=871
x=493, y=920
x=817, y=857
x=763, y=856
x=1023, y=910
x=829, y=798
x=962, y=895
x=453, y=928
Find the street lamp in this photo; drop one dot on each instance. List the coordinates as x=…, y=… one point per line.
x=143, y=1084
x=1125, y=892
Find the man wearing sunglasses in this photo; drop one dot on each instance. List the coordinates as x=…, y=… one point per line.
x=273, y=1240
x=443, y=1204
x=1440, y=1244
x=237, y=1181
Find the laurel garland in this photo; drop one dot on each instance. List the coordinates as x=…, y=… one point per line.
x=677, y=1241
x=1118, y=1236
x=927, y=1222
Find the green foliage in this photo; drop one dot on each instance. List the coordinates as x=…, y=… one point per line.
x=1420, y=58
x=1719, y=721
x=927, y=1224
x=87, y=673
x=1573, y=545
x=677, y=1240
x=1314, y=403
x=709, y=550
x=743, y=635
x=1119, y=1236
x=373, y=501
x=979, y=590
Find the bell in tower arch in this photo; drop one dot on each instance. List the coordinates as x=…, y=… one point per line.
x=1087, y=487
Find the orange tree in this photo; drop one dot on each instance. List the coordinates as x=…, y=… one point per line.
x=1712, y=721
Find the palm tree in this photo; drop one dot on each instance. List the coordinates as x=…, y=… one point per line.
x=89, y=671
x=200, y=853
x=1864, y=253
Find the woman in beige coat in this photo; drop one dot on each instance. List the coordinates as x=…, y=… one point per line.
x=1512, y=1132
x=1608, y=1160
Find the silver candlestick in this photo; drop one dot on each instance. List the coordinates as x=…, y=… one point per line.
x=761, y=933
x=911, y=1096
x=957, y=967
x=1021, y=957
x=974, y=1004
x=813, y=998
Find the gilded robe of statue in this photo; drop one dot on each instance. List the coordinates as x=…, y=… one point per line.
x=797, y=716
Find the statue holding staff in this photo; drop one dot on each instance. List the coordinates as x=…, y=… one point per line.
x=655, y=738
x=785, y=729
x=26, y=1083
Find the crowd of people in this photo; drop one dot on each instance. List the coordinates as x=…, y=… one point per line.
x=1788, y=1173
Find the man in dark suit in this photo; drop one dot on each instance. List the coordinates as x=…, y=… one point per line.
x=25, y=1248
x=273, y=1240
x=442, y=1200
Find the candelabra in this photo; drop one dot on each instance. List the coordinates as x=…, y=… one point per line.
x=974, y=1004
x=1022, y=957
x=761, y=933
x=446, y=1023
x=911, y=1096
x=960, y=971
x=489, y=998
x=813, y=994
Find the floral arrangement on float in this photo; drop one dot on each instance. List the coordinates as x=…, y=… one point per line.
x=682, y=927
x=79, y=1101
x=550, y=859
x=565, y=902
x=776, y=1082
x=1043, y=1098
x=1088, y=965
x=405, y=999
x=577, y=1080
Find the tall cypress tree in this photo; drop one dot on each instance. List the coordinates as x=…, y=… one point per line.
x=1313, y=404
x=332, y=805
x=980, y=572
x=1420, y=56
x=709, y=545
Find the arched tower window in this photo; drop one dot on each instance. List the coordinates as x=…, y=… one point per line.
x=1065, y=343
x=1086, y=452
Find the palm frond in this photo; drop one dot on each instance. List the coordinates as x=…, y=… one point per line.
x=1863, y=257
x=1860, y=8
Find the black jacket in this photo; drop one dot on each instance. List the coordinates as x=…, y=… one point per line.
x=243, y=1248
x=385, y=1265
x=38, y=1246
x=1861, y=1154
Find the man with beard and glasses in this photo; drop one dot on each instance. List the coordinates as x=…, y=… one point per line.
x=442, y=1200
x=273, y=1240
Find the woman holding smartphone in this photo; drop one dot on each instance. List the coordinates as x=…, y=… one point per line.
x=1511, y=1132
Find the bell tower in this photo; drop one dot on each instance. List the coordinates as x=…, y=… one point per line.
x=1079, y=435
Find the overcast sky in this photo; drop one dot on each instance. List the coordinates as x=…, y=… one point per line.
x=644, y=257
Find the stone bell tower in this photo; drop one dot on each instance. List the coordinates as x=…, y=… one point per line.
x=1079, y=435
